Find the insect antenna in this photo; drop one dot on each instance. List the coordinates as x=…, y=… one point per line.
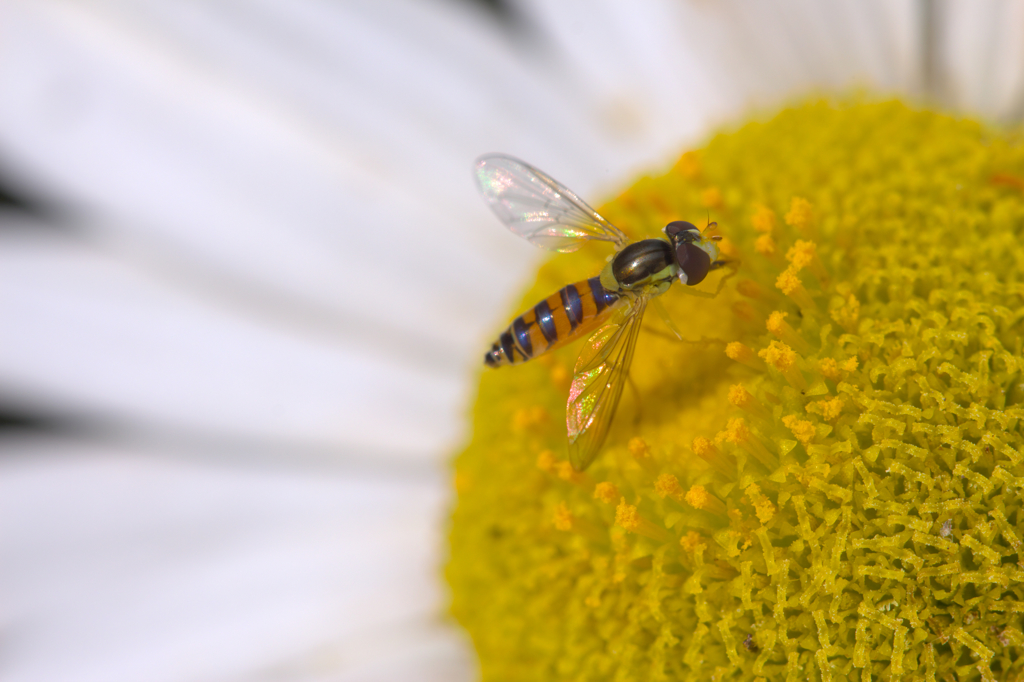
x=710, y=225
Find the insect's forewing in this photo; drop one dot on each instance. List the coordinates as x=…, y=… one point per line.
x=597, y=382
x=538, y=208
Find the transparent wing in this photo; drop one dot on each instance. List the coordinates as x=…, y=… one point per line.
x=538, y=208
x=597, y=382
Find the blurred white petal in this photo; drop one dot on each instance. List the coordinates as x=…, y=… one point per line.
x=229, y=178
x=124, y=563
x=984, y=62
x=101, y=337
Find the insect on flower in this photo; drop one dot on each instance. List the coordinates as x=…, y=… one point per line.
x=544, y=212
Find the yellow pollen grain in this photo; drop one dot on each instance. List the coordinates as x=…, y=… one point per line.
x=736, y=431
x=783, y=358
x=638, y=447
x=778, y=326
x=627, y=516
x=563, y=517
x=804, y=254
x=830, y=369
x=828, y=409
x=739, y=396
x=736, y=350
x=763, y=219
x=708, y=502
x=667, y=485
x=847, y=313
x=801, y=254
x=692, y=541
x=697, y=497
x=606, y=492
x=791, y=286
x=740, y=352
x=765, y=245
x=777, y=323
x=800, y=214
x=706, y=450
x=788, y=282
x=546, y=461
x=849, y=365
x=778, y=355
x=702, y=447
x=802, y=429
x=711, y=198
x=743, y=399
x=567, y=473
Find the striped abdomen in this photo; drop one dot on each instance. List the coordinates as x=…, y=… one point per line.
x=560, y=318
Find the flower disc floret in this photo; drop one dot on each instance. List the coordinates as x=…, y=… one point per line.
x=845, y=422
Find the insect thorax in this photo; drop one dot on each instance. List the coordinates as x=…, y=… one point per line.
x=642, y=263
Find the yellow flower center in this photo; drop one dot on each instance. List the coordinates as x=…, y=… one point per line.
x=823, y=481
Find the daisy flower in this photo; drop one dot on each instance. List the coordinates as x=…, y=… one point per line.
x=246, y=278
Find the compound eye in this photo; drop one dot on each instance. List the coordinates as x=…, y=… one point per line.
x=693, y=262
x=676, y=227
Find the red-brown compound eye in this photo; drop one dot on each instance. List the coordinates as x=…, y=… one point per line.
x=694, y=263
x=676, y=227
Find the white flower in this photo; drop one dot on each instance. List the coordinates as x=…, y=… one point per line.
x=263, y=280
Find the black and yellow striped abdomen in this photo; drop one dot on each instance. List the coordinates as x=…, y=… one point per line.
x=564, y=316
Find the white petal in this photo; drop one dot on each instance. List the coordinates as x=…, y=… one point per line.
x=96, y=337
x=120, y=565
x=635, y=70
x=981, y=54
x=227, y=180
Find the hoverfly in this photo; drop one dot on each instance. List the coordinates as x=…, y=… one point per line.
x=544, y=212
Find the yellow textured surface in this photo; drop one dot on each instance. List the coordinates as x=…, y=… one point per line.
x=869, y=491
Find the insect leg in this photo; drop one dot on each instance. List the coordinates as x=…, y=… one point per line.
x=733, y=265
x=639, y=402
x=659, y=307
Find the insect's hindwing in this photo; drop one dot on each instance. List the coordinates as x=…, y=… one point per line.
x=597, y=382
